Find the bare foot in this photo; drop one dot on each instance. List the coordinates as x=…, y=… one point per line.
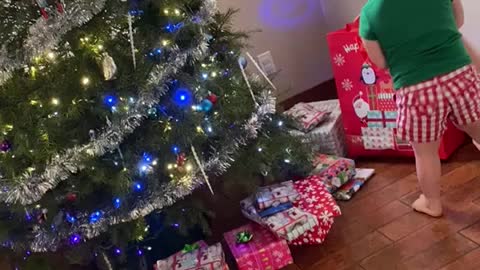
x=422, y=205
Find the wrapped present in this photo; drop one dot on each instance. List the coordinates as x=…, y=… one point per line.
x=334, y=171
x=291, y=224
x=316, y=200
x=329, y=136
x=345, y=192
x=249, y=210
x=198, y=256
x=262, y=250
x=275, y=195
x=307, y=116
x=288, y=224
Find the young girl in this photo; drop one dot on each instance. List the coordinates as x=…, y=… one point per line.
x=419, y=42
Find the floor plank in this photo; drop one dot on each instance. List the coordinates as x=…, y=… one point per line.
x=439, y=254
x=470, y=261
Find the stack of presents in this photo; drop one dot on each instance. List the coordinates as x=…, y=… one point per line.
x=362, y=122
x=291, y=213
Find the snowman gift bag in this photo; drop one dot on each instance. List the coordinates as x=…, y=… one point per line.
x=367, y=101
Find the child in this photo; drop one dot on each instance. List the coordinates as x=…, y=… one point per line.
x=419, y=42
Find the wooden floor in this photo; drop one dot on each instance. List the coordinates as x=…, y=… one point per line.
x=379, y=231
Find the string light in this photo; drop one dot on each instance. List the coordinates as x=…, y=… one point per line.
x=260, y=149
x=166, y=11
x=55, y=101
x=204, y=76
x=214, y=74
x=287, y=160
x=280, y=123
x=170, y=166
x=177, y=12
x=51, y=56
x=100, y=47
x=117, y=203
x=95, y=216
x=165, y=42
x=189, y=167
x=85, y=81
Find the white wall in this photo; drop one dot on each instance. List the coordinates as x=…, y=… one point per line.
x=295, y=32
x=472, y=22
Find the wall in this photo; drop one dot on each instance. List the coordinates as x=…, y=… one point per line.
x=294, y=31
x=472, y=22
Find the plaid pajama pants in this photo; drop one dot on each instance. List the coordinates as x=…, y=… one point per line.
x=423, y=109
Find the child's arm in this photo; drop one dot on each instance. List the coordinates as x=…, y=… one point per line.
x=458, y=12
x=370, y=43
x=375, y=53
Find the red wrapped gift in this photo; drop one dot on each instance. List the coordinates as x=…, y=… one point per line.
x=264, y=251
x=367, y=101
x=333, y=171
x=198, y=257
x=316, y=200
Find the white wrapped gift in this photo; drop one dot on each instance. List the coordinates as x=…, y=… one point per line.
x=329, y=137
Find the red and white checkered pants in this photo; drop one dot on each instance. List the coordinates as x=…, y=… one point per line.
x=423, y=109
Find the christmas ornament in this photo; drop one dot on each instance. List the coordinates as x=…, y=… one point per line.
x=71, y=197
x=5, y=146
x=181, y=159
x=46, y=7
x=152, y=112
x=42, y=216
x=109, y=68
x=213, y=98
x=244, y=237
x=243, y=61
x=206, y=105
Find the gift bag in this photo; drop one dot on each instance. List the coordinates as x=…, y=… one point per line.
x=367, y=101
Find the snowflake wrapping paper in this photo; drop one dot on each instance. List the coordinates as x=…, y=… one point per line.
x=316, y=200
x=205, y=257
x=264, y=251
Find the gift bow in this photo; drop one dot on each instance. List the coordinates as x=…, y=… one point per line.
x=244, y=237
x=190, y=248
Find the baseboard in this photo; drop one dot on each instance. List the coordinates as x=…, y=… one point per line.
x=324, y=91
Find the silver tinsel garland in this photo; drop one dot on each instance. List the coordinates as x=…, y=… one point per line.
x=30, y=188
x=44, y=35
x=164, y=196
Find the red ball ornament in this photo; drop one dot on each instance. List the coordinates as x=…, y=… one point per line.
x=71, y=197
x=213, y=98
x=181, y=158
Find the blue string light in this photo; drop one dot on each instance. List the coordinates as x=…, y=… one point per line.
x=75, y=239
x=137, y=186
x=204, y=76
x=95, y=217
x=118, y=251
x=110, y=101
x=70, y=218
x=182, y=97
x=117, y=203
x=139, y=252
x=171, y=28
x=175, y=149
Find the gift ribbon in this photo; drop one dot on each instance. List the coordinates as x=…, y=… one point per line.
x=244, y=237
x=190, y=248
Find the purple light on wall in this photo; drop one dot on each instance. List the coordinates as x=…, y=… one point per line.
x=287, y=14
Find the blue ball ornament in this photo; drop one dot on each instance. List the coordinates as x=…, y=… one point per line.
x=243, y=61
x=206, y=105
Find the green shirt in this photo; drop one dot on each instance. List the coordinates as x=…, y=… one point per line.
x=419, y=38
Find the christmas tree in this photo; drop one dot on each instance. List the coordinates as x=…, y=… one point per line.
x=114, y=110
